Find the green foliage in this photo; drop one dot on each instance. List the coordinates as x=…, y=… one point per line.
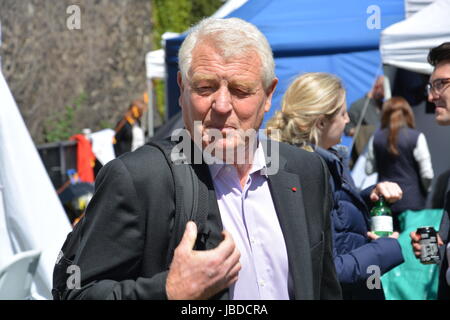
x=204, y=8
x=61, y=126
x=176, y=16
x=179, y=15
x=169, y=15
x=159, y=86
x=106, y=124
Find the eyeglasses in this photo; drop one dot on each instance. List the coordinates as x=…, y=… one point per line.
x=437, y=86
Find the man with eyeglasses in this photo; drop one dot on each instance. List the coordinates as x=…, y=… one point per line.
x=438, y=90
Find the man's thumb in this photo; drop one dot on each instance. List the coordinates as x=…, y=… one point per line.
x=189, y=236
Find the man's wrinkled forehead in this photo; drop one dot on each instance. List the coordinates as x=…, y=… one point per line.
x=204, y=55
x=199, y=77
x=225, y=50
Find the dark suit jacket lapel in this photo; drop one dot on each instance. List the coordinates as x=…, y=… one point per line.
x=290, y=209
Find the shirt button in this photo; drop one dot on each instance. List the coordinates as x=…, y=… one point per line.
x=262, y=283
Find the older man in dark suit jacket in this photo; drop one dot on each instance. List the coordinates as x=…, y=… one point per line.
x=268, y=233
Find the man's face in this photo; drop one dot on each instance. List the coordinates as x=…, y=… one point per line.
x=224, y=94
x=378, y=89
x=441, y=98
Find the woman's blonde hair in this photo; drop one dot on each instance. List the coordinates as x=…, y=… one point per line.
x=310, y=98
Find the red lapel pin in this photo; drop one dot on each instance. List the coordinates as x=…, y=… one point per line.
x=294, y=189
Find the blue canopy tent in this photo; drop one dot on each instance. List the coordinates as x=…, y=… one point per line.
x=339, y=37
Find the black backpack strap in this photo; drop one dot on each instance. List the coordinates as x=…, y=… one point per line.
x=190, y=198
x=66, y=258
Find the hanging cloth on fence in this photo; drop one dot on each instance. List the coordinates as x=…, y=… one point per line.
x=85, y=158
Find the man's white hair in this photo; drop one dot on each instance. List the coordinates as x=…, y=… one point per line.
x=234, y=37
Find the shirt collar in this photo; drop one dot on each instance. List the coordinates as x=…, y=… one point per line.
x=259, y=163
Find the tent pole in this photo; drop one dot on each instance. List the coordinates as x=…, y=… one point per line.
x=363, y=112
x=389, y=77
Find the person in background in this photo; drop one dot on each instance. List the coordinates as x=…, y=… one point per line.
x=399, y=153
x=313, y=117
x=439, y=95
x=370, y=120
x=129, y=134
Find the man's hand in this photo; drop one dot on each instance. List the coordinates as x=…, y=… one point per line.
x=415, y=238
x=373, y=236
x=391, y=191
x=202, y=274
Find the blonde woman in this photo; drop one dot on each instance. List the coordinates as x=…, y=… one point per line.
x=313, y=117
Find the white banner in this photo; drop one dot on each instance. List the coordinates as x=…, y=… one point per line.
x=33, y=215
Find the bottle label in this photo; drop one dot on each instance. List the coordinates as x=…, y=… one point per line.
x=381, y=223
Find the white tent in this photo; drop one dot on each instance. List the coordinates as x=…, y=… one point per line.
x=413, y=6
x=31, y=215
x=155, y=69
x=154, y=60
x=406, y=44
x=6, y=251
x=154, y=63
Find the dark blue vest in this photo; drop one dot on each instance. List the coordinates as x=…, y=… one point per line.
x=402, y=169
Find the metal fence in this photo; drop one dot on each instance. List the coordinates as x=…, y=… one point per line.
x=58, y=157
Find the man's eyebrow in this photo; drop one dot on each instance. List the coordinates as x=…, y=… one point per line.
x=244, y=84
x=203, y=77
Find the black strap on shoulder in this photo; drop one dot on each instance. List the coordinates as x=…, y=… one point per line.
x=188, y=193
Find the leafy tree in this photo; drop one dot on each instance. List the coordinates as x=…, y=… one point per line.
x=62, y=125
x=176, y=16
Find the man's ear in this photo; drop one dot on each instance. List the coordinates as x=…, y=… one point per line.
x=181, y=86
x=180, y=81
x=269, y=93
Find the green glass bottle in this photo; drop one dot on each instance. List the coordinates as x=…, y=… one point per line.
x=381, y=222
